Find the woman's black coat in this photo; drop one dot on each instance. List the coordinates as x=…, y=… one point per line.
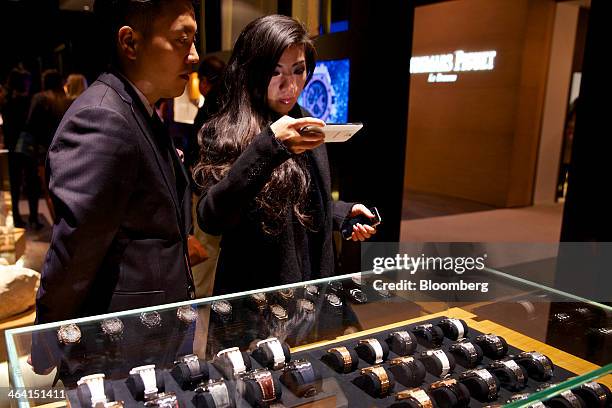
x=250, y=259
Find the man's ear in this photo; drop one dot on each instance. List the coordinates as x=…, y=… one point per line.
x=129, y=41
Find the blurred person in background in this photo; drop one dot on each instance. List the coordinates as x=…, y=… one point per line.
x=75, y=86
x=209, y=74
x=46, y=112
x=14, y=116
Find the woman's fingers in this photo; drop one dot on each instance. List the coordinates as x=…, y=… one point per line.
x=308, y=121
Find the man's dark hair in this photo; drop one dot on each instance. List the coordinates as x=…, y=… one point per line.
x=114, y=14
x=18, y=80
x=52, y=80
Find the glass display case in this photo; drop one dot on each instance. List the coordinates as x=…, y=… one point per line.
x=359, y=340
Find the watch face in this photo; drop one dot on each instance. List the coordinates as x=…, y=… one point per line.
x=69, y=334
x=279, y=312
x=186, y=314
x=222, y=307
x=334, y=300
x=316, y=98
x=150, y=319
x=112, y=326
x=299, y=364
x=306, y=306
x=336, y=286
x=312, y=290
x=358, y=296
x=286, y=293
x=384, y=293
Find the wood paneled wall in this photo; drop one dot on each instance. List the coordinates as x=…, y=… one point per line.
x=477, y=138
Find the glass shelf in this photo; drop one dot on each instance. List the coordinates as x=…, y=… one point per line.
x=311, y=318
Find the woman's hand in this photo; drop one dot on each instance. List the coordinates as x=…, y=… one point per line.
x=287, y=130
x=361, y=232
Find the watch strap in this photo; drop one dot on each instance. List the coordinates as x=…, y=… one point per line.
x=345, y=355
x=416, y=394
x=381, y=374
x=95, y=384
x=376, y=347
x=276, y=348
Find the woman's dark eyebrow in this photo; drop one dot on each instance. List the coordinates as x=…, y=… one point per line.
x=300, y=62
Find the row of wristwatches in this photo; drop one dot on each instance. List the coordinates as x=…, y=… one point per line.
x=279, y=305
x=113, y=327
x=257, y=386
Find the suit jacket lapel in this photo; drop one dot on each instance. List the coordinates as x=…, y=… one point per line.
x=127, y=93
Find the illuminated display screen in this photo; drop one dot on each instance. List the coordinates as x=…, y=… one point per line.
x=326, y=95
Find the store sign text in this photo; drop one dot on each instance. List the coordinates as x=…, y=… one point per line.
x=437, y=66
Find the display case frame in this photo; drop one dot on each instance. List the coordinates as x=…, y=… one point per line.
x=363, y=318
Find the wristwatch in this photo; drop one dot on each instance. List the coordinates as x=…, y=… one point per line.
x=347, y=360
x=509, y=373
x=454, y=329
x=375, y=346
x=483, y=375
x=287, y=295
x=381, y=374
x=319, y=96
x=69, y=334
x=493, y=346
x=305, y=306
x=163, y=400
x=452, y=385
x=223, y=310
x=95, y=384
x=276, y=349
x=186, y=314
x=416, y=368
x=279, y=312
x=522, y=396
x=402, y=342
x=333, y=300
x=260, y=301
x=571, y=398
x=264, y=379
x=150, y=319
x=429, y=335
x=383, y=292
x=311, y=292
x=417, y=395
x=358, y=296
x=113, y=328
x=147, y=374
x=538, y=365
x=471, y=354
x=193, y=363
x=436, y=355
x=233, y=357
x=218, y=391
x=306, y=371
x=595, y=389
x=335, y=287
x=568, y=396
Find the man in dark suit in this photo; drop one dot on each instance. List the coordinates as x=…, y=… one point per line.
x=120, y=191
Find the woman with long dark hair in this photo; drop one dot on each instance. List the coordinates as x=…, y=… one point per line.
x=266, y=182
